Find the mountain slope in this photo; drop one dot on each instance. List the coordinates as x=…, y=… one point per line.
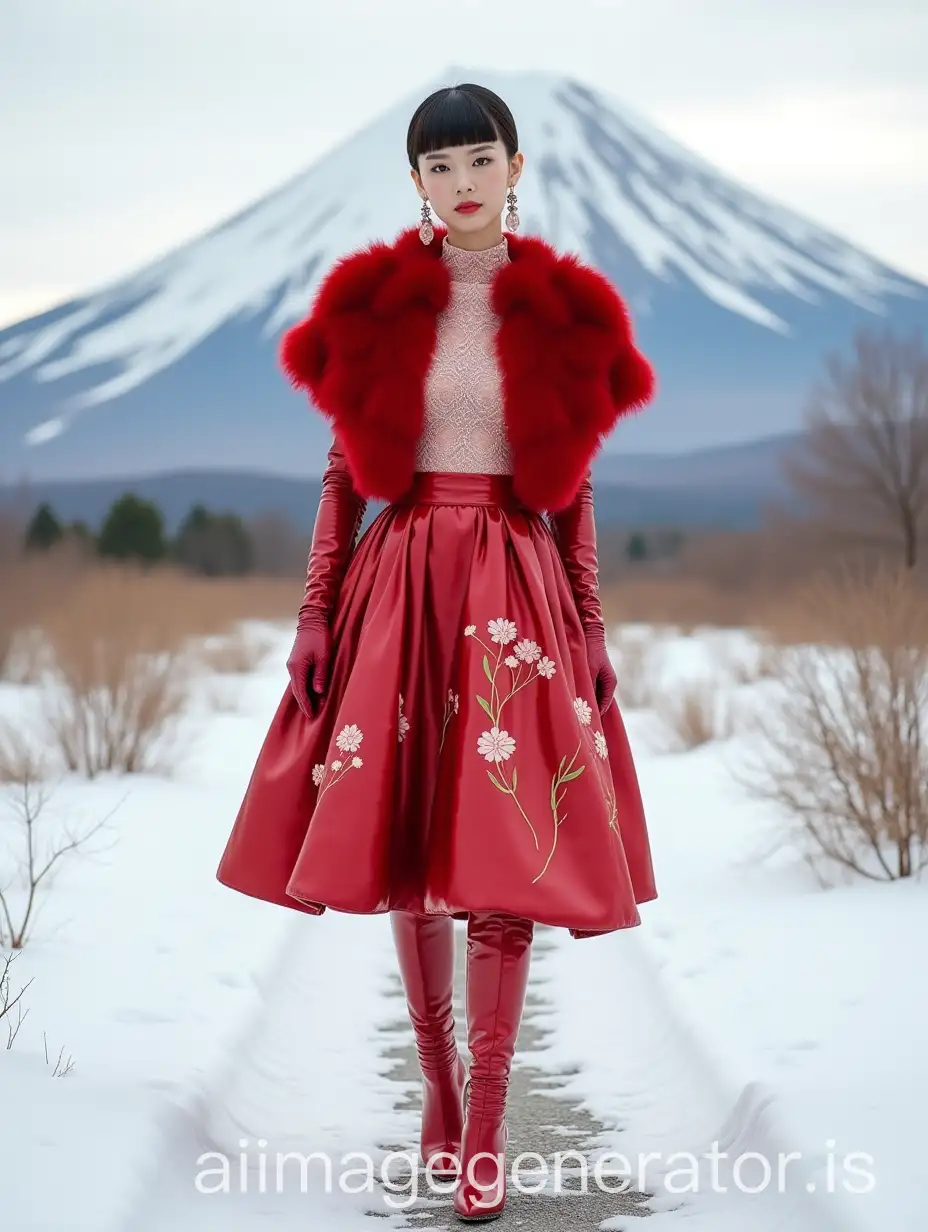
x=735, y=299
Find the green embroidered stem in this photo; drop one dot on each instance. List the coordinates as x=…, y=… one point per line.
x=511, y=791
x=566, y=772
x=564, y=775
x=499, y=655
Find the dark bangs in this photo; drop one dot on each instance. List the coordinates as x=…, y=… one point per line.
x=460, y=115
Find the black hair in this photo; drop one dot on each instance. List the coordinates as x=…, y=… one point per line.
x=460, y=115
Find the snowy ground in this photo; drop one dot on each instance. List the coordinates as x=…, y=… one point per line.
x=751, y=1006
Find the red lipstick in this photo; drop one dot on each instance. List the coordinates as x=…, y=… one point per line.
x=467, y=207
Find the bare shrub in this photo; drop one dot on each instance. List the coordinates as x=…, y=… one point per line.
x=844, y=751
x=9, y=1002
x=121, y=671
x=636, y=657
x=697, y=712
x=13, y=1022
x=36, y=848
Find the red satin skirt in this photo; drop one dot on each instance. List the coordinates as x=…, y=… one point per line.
x=459, y=761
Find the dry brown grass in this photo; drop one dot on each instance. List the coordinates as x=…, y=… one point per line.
x=845, y=752
x=738, y=579
x=697, y=712
x=678, y=602
x=116, y=648
x=38, y=592
x=30, y=587
x=120, y=677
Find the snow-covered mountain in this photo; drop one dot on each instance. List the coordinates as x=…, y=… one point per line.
x=735, y=300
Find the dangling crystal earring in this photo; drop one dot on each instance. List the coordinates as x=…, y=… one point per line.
x=512, y=214
x=426, y=230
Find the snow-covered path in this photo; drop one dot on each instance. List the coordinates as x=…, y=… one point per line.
x=751, y=1007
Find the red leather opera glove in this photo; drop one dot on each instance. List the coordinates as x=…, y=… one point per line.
x=574, y=531
x=338, y=520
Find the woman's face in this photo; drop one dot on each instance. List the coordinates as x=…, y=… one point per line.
x=476, y=177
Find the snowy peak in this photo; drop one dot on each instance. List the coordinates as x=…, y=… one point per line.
x=599, y=181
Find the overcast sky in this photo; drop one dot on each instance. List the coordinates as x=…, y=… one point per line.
x=128, y=125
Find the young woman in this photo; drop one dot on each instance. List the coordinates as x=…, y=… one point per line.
x=450, y=746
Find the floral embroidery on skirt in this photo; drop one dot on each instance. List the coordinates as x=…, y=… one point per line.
x=528, y=665
x=489, y=780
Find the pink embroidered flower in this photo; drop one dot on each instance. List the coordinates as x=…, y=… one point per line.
x=582, y=711
x=318, y=773
x=501, y=630
x=546, y=667
x=470, y=630
x=511, y=661
x=349, y=738
x=527, y=650
x=496, y=745
x=601, y=747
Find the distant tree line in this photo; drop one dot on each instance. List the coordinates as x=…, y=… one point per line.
x=210, y=543
x=222, y=544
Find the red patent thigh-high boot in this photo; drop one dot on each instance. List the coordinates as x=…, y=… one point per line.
x=425, y=949
x=499, y=949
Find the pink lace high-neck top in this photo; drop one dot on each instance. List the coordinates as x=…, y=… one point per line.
x=464, y=427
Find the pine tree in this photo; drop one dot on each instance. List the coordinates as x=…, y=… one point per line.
x=133, y=530
x=215, y=544
x=637, y=547
x=44, y=531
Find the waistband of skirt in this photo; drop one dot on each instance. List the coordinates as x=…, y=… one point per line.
x=460, y=488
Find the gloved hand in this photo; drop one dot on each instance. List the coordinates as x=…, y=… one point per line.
x=308, y=663
x=338, y=520
x=574, y=532
x=601, y=668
